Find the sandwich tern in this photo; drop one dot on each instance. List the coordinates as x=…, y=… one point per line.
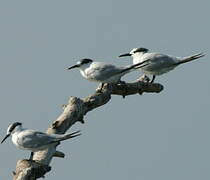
x=102, y=72
x=158, y=63
x=28, y=139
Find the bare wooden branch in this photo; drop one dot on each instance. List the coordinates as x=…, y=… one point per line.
x=72, y=112
x=29, y=170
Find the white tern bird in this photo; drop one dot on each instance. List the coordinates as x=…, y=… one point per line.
x=103, y=72
x=28, y=139
x=158, y=63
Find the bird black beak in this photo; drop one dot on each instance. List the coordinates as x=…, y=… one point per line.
x=5, y=138
x=72, y=67
x=122, y=55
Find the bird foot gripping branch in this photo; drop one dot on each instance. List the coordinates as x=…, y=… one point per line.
x=125, y=89
x=144, y=78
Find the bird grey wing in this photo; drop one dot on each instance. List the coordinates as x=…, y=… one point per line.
x=103, y=71
x=34, y=139
x=160, y=60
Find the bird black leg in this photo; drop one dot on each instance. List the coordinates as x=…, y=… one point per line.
x=144, y=78
x=102, y=85
x=31, y=156
x=123, y=83
x=99, y=90
x=153, y=78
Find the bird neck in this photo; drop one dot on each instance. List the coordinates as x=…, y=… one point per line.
x=83, y=67
x=138, y=54
x=17, y=129
x=137, y=57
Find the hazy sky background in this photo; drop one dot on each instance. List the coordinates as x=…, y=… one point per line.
x=150, y=137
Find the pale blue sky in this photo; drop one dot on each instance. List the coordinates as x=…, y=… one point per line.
x=167, y=137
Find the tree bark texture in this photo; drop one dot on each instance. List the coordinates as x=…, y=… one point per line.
x=74, y=111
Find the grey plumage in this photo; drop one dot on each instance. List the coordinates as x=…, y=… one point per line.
x=158, y=64
x=103, y=72
x=28, y=139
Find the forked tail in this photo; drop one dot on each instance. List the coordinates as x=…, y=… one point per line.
x=190, y=58
x=72, y=135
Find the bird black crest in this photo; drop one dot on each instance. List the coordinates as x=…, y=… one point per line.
x=141, y=50
x=85, y=61
x=12, y=127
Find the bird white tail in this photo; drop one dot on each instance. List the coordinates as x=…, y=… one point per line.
x=190, y=58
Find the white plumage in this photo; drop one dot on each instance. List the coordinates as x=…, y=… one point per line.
x=103, y=72
x=28, y=139
x=158, y=64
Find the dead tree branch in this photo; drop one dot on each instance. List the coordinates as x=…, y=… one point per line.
x=75, y=111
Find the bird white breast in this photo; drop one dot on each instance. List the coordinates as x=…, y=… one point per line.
x=85, y=73
x=137, y=58
x=15, y=140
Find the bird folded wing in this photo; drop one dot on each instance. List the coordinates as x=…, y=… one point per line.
x=35, y=140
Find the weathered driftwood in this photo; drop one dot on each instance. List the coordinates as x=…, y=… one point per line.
x=74, y=111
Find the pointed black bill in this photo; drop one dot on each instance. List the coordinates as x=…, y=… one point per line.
x=122, y=55
x=72, y=67
x=5, y=138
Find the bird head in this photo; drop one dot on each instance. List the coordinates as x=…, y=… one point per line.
x=81, y=63
x=135, y=51
x=11, y=129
